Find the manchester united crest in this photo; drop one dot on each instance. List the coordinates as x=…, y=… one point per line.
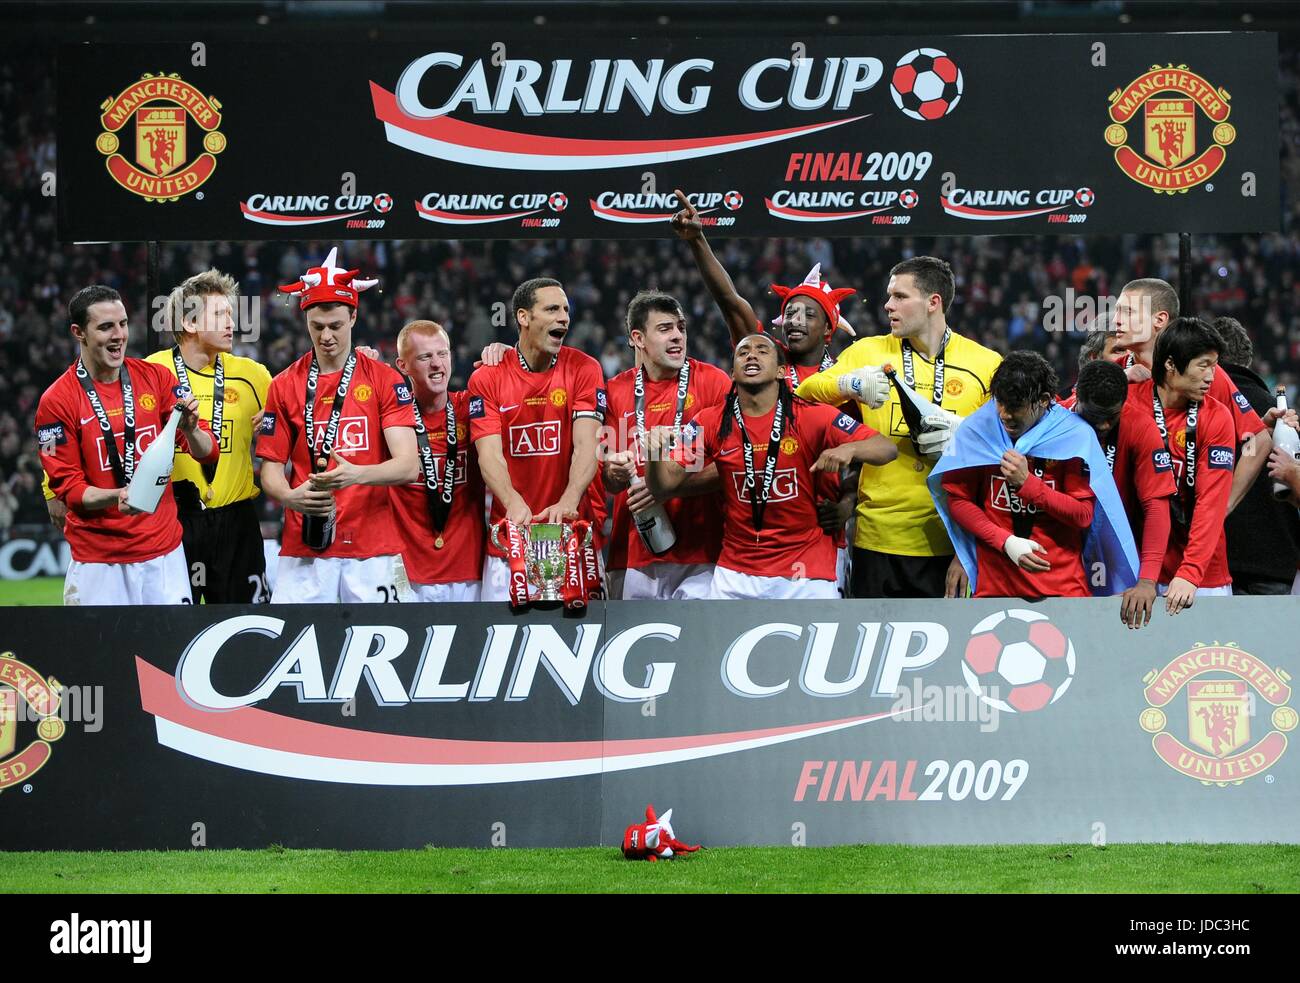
x=19, y=681
x=160, y=108
x=1227, y=689
x=1154, y=127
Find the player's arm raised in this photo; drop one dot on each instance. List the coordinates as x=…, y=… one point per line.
x=496, y=475
x=736, y=311
x=582, y=469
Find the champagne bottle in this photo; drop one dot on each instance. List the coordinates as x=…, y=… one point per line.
x=154, y=469
x=915, y=407
x=318, y=530
x=1288, y=440
x=653, y=525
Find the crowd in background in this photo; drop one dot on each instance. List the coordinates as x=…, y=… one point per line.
x=1001, y=281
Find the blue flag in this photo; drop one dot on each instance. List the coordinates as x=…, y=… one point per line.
x=1059, y=435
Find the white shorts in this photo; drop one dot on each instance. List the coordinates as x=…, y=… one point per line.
x=668, y=582
x=730, y=585
x=464, y=590
x=163, y=580
x=842, y=570
x=496, y=577
x=1295, y=584
x=1224, y=591
x=335, y=580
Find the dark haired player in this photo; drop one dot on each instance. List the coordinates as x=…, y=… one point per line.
x=768, y=446
x=1142, y=469
x=1198, y=432
x=1027, y=515
x=535, y=420
x=92, y=425
x=338, y=430
x=1144, y=310
x=665, y=388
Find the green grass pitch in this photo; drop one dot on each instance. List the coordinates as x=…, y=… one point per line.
x=38, y=590
x=1122, y=868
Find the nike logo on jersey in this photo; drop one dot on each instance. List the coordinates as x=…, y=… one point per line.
x=507, y=409
x=88, y=419
x=728, y=452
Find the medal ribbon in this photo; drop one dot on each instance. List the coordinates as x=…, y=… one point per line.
x=1189, y=470
x=309, y=415
x=638, y=390
x=438, y=494
x=909, y=373
x=758, y=498
x=827, y=361
x=123, y=470
x=218, y=400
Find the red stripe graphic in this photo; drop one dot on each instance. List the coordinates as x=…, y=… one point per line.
x=159, y=696
x=460, y=218
x=274, y=218
x=992, y=215
x=485, y=146
x=802, y=215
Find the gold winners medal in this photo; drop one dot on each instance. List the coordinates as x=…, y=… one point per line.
x=320, y=463
x=207, y=494
x=437, y=543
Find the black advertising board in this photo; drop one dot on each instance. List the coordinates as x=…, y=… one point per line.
x=929, y=135
x=989, y=721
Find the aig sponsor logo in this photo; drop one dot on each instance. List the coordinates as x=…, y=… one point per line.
x=354, y=433
x=143, y=438
x=785, y=485
x=535, y=439
x=438, y=460
x=1004, y=498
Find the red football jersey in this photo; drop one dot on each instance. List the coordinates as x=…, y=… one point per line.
x=1245, y=421
x=826, y=484
x=985, y=505
x=697, y=521
x=1142, y=471
x=791, y=543
x=463, y=535
x=1200, y=555
x=75, y=457
x=533, y=413
x=377, y=398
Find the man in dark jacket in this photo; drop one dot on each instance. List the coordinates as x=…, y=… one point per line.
x=1263, y=535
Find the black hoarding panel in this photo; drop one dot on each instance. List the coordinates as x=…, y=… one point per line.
x=844, y=136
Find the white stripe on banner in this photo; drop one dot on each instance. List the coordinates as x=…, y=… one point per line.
x=291, y=764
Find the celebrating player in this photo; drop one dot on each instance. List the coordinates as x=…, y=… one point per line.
x=223, y=540
x=1142, y=470
x=92, y=425
x=534, y=420
x=666, y=388
x=810, y=316
x=441, y=516
x=344, y=426
x=1144, y=309
x=900, y=546
x=1014, y=490
x=767, y=446
x=1198, y=431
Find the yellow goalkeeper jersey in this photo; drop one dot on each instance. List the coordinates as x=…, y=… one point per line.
x=246, y=385
x=895, y=513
